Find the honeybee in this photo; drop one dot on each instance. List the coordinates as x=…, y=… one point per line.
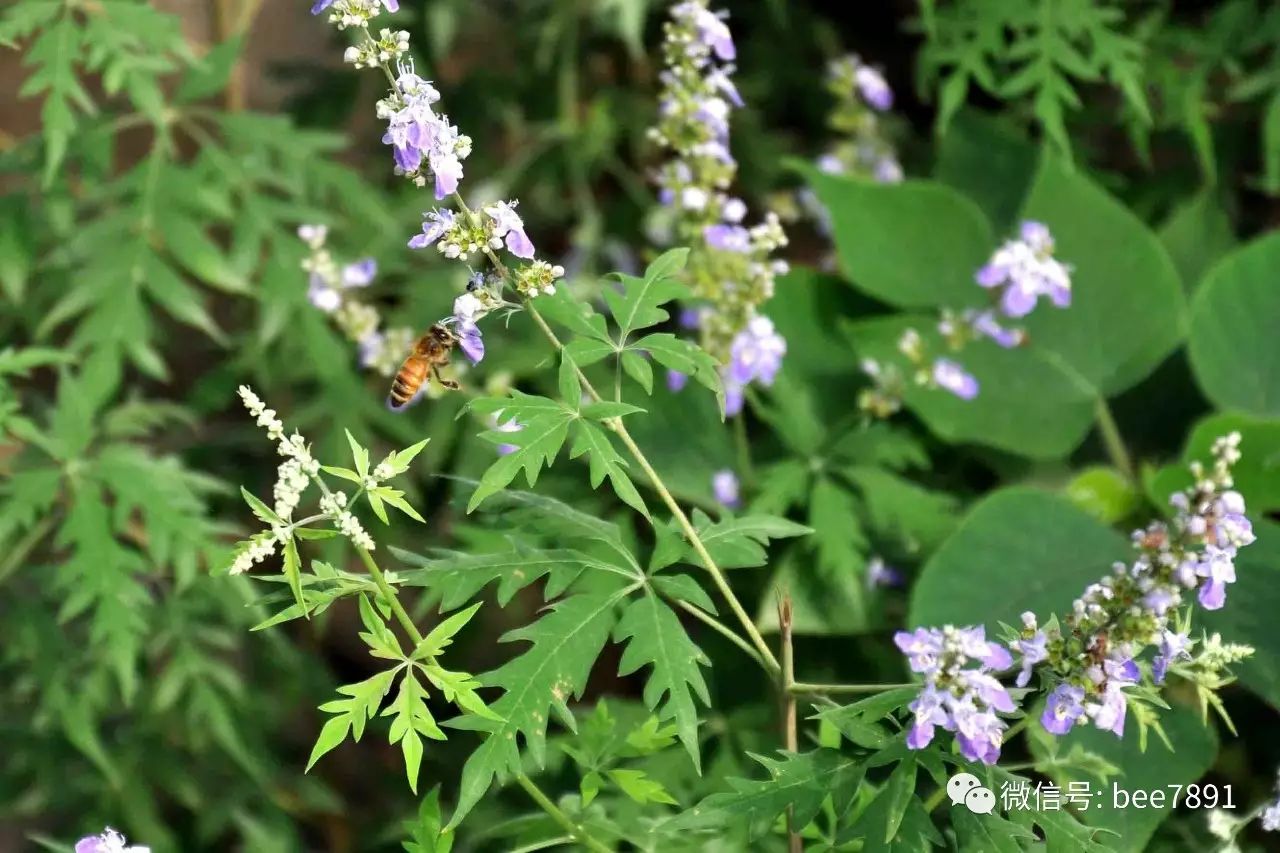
x=430, y=353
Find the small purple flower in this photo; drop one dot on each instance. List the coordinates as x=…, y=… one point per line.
x=720, y=80
x=921, y=646
x=831, y=164
x=691, y=318
x=887, y=170
x=724, y=485
x=322, y=295
x=879, y=574
x=109, y=841
x=1064, y=707
x=733, y=209
x=507, y=223
x=873, y=88
x=1033, y=651
x=435, y=224
x=471, y=342
x=676, y=381
x=360, y=273
x=728, y=238
x=711, y=29
x=734, y=398
x=371, y=347
x=1218, y=569
x=756, y=353
x=985, y=324
x=952, y=377
x=1027, y=270
x=1173, y=646
x=1271, y=817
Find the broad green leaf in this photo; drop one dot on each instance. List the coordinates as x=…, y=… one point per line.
x=915, y=244
x=1196, y=236
x=1127, y=308
x=1152, y=770
x=1037, y=548
x=800, y=782
x=1233, y=341
x=656, y=638
x=554, y=669
x=1030, y=402
x=989, y=160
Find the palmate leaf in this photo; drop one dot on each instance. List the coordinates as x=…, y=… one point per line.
x=565, y=645
x=736, y=543
x=545, y=427
x=639, y=304
x=800, y=782
x=657, y=638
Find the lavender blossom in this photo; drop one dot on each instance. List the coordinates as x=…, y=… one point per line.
x=676, y=381
x=109, y=841
x=960, y=699
x=724, y=485
x=881, y=574
x=729, y=269
x=1064, y=707
x=1173, y=647
x=1025, y=269
x=756, y=356
x=954, y=378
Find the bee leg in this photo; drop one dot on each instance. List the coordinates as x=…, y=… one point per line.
x=451, y=384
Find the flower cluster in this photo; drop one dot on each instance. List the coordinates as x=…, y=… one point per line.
x=1023, y=270
x=861, y=94
x=109, y=841
x=332, y=288
x=428, y=148
x=296, y=473
x=755, y=356
x=1092, y=653
x=958, y=697
x=1018, y=274
x=730, y=268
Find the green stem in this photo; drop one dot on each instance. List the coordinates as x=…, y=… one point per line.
x=25, y=546
x=844, y=689
x=574, y=829
x=397, y=609
x=1112, y=440
x=720, y=628
x=791, y=741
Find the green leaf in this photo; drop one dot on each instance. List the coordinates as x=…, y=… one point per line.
x=683, y=356
x=411, y=720
x=293, y=571
x=1127, y=308
x=442, y=635
x=838, y=540
x=192, y=249
x=656, y=637
x=740, y=542
x=1233, y=341
x=565, y=644
x=351, y=714
x=1151, y=770
x=800, y=782
x=896, y=508
x=570, y=387
x=639, y=787
x=989, y=159
x=606, y=461
x=914, y=245
x=261, y=510
x=209, y=75
x=359, y=454
x=1196, y=235
x=545, y=429
x=638, y=368
x=989, y=833
x=1037, y=548
x=638, y=306
x=426, y=833
x=458, y=577
x=603, y=410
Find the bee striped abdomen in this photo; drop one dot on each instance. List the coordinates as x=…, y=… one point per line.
x=407, y=382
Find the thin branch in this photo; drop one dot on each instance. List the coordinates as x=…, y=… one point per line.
x=790, y=735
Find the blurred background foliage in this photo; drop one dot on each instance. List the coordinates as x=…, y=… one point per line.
x=155, y=161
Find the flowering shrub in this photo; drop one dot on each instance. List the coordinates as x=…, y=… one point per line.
x=343, y=509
